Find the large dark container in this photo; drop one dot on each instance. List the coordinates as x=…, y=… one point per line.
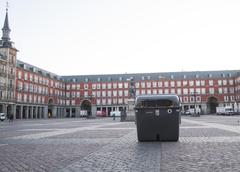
x=157, y=117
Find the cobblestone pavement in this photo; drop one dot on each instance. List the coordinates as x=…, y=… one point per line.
x=206, y=143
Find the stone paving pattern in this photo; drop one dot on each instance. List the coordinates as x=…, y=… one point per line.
x=207, y=143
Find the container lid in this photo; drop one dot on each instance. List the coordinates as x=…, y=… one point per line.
x=157, y=101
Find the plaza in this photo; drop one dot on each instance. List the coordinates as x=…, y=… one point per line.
x=206, y=143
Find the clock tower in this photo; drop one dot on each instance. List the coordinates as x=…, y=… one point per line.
x=7, y=70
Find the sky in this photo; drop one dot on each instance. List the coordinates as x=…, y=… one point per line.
x=81, y=37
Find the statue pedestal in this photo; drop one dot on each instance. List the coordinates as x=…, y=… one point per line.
x=130, y=110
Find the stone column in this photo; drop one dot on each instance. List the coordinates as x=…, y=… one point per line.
x=94, y=111
x=77, y=112
x=31, y=112
x=70, y=112
x=27, y=110
x=14, y=111
x=45, y=112
x=21, y=112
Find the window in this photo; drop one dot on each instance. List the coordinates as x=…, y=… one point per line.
x=103, y=86
x=19, y=75
x=137, y=92
x=125, y=93
x=103, y=93
x=125, y=85
x=202, y=82
x=198, y=90
x=149, y=92
x=154, y=91
x=166, y=83
x=179, y=91
x=172, y=84
x=231, y=82
x=191, y=90
x=78, y=86
x=109, y=85
x=220, y=91
x=185, y=91
x=159, y=84
x=198, y=99
x=137, y=84
x=98, y=86
x=114, y=93
x=109, y=93
x=172, y=91
x=231, y=90
x=148, y=84
x=203, y=90
x=166, y=91
x=160, y=91
x=197, y=83
x=103, y=101
x=98, y=102
x=211, y=90
x=179, y=84
x=25, y=76
x=225, y=90
x=120, y=85
x=98, y=94
x=120, y=93
x=25, y=86
x=211, y=82
x=73, y=86
x=109, y=101
x=93, y=86
x=120, y=101
x=114, y=85
x=226, y=98
x=143, y=84
x=85, y=86
x=143, y=92
x=85, y=93
x=73, y=102
x=224, y=82
x=191, y=83
x=154, y=84
x=68, y=87
x=185, y=83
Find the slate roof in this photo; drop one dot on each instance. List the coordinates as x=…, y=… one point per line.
x=152, y=76
x=136, y=76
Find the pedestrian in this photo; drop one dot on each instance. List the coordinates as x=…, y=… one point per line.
x=11, y=118
x=113, y=116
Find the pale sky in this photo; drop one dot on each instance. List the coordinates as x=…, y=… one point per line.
x=77, y=37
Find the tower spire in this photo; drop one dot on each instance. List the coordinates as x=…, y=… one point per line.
x=6, y=31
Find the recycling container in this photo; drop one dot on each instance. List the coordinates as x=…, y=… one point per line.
x=157, y=117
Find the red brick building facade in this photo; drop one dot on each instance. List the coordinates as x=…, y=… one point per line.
x=27, y=91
